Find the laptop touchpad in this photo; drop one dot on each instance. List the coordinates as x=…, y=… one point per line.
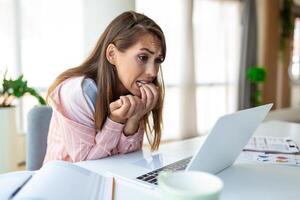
x=151, y=162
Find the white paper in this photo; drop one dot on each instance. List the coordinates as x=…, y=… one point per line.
x=272, y=144
x=11, y=182
x=271, y=158
x=63, y=180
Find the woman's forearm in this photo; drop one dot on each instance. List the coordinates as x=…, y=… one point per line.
x=131, y=127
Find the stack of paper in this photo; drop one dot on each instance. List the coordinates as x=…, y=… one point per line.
x=272, y=150
x=272, y=144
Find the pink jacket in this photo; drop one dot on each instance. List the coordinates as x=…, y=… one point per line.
x=72, y=136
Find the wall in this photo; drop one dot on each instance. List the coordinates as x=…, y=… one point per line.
x=277, y=87
x=97, y=15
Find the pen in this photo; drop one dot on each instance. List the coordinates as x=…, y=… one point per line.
x=113, y=189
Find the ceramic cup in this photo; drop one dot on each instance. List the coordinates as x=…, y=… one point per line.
x=191, y=185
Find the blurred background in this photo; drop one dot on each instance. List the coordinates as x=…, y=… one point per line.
x=222, y=56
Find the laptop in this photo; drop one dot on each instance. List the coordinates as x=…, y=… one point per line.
x=220, y=149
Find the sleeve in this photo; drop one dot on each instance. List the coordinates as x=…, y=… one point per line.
x=83, y=143
x=131, y=143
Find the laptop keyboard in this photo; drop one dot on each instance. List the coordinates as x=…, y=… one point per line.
x=151, y=177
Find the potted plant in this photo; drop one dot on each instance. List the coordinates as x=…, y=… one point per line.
x=256, y=75
x=10, y=89
x=17, y=88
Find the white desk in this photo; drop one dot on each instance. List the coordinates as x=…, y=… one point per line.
x=242, y=181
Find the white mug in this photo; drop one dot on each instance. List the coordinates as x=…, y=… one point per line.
x=190, y=185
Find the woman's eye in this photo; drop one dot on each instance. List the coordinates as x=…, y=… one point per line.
x=159, y=60
x=143, y=58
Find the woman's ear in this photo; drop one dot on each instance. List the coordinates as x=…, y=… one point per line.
x=111, y=54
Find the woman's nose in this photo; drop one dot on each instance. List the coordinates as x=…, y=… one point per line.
x=152, y=71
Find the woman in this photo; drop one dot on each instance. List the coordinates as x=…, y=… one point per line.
x=103, y=106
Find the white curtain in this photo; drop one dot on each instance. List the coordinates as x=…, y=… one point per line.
x=8, y=36
x=200, y=70
x=201, y=67
x=97, y=14
x=217, y=37
x=39, y=40
x=187, y=86
x=178, y=68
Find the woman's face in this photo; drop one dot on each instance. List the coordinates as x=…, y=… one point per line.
x=139, y=63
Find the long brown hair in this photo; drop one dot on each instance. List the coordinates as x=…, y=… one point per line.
x=124, y=31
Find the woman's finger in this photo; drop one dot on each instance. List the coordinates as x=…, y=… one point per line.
x=115, y=105
x=132, y=108
x=155, y=93
x=143, y=95
x=125, y=107
x=149, y=96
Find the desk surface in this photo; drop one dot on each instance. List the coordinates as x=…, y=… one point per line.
x=241, y=180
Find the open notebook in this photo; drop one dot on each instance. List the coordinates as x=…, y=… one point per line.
x=56, y=180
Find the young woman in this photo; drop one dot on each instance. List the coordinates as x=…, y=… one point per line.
x=103, y=106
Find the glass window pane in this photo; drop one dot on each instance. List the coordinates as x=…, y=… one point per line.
x=217, y=40
x=212, y=103
x=170, y=23
x=52, y=40
x=7, y=37
x=171, y=114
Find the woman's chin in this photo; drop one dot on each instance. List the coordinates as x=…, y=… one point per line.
x=136, y=93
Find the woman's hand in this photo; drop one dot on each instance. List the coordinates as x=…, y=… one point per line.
x=131, y=109
x=148, y=100
x=126, y=107
x=134, y=107
x=118, y=111
x=149, y=96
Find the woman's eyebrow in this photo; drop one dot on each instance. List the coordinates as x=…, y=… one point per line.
x=146, y=49
x=151, y=52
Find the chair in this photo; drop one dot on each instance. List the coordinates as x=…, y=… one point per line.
x=38, y=121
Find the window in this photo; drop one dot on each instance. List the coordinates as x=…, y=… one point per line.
x=7, y=36
x=40, y=39
x=217, y=46
x=217, y=31
x=50, y=40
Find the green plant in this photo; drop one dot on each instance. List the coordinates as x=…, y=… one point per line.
x=16, y=88
x=256, y=75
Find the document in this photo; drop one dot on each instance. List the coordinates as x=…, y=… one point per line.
x=272, y=144
x=270, y=158
x=64, y=180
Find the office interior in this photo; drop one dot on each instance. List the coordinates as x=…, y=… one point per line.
x=211, y=46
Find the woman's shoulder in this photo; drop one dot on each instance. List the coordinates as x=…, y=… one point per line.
x=71, y=101
x=79, y=84
x=73, y=82
x=79, y=90
x=67, y=87
x=71, y=88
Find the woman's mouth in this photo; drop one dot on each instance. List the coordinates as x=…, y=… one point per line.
x=141, y=82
